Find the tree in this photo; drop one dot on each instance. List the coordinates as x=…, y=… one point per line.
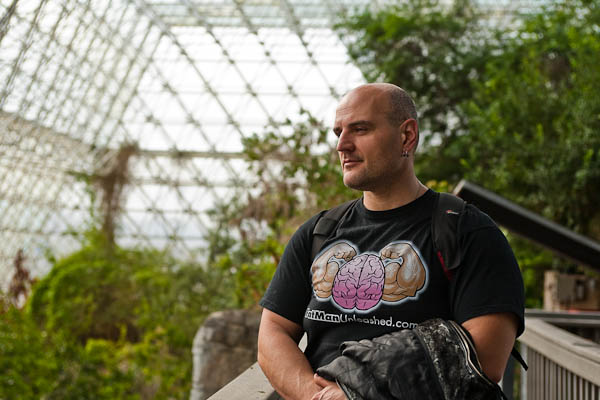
x=535, y=118
x=108, y=322
x=434, y=50
x=515, y=109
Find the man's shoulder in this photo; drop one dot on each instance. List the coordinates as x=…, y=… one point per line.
x=473, y=219
x=312, y=221
x=336, y=213
x=305, y=230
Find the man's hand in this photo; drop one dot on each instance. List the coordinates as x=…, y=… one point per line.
x=330, y=390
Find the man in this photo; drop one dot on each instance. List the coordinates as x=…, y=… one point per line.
x=378, y=272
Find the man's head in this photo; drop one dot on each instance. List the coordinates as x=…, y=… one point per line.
x=377, y=131
x=402, y=106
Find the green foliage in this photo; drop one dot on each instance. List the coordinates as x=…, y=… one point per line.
x=437, y=52
x=108, y=323
x=40, y=364
x=515, y=110
x=295, y=175
x=250, y=268
x=310, y=175
x=534, y=119
x=25, y=362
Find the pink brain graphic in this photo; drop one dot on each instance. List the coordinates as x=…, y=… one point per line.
x=359, y=283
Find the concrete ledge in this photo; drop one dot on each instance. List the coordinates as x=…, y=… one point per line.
x=252, y=384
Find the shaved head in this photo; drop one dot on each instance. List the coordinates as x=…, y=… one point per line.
x=401, y=105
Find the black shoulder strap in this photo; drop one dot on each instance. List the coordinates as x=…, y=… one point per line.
x=444, y=230
x=326, y=224
x=447, y=212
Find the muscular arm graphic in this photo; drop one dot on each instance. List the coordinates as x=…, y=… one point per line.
x=406, y=275
x=326, y=266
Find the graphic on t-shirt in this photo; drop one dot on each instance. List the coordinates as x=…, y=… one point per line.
x=361, y=281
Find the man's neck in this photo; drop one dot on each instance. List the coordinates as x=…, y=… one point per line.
x=393, y=197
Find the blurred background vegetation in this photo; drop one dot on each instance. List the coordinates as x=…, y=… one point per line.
x=511, y=107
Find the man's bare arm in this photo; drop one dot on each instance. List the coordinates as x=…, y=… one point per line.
x=281, y=360
x=494, y=336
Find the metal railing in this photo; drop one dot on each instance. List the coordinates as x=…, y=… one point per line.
x=562, y=365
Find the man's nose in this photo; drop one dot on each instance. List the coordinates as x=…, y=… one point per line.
x=344, y=142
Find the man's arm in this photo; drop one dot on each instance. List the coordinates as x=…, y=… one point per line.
x=494, y=336
x=281, y=360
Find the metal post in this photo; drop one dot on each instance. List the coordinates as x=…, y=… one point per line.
x=523, y=372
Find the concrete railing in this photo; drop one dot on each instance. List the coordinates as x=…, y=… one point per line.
x=250, y=385
x=562, y=365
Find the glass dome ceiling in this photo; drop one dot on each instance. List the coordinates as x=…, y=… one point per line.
x=182, y=80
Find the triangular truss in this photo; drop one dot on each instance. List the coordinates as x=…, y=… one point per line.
x=185, y=80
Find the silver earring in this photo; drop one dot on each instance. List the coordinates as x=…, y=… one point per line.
x=404, y=153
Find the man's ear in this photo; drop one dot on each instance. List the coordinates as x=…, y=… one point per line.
x=410, y=133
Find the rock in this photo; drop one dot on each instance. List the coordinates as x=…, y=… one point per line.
x=224, y=347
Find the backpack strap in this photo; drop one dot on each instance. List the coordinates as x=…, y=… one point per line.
x=444, y=230
x=448, y=210
x=326, y=225
x=517, y=356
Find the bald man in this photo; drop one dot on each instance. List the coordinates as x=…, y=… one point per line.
x=378, y=272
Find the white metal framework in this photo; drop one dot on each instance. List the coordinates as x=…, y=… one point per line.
x=183, y=80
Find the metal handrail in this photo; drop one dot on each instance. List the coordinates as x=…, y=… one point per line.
x=562, y=366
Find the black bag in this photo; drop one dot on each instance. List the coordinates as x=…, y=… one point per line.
x=435, y=361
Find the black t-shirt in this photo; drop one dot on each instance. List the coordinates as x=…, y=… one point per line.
x=378, y=273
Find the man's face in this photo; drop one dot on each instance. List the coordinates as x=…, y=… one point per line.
x=369, y=147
